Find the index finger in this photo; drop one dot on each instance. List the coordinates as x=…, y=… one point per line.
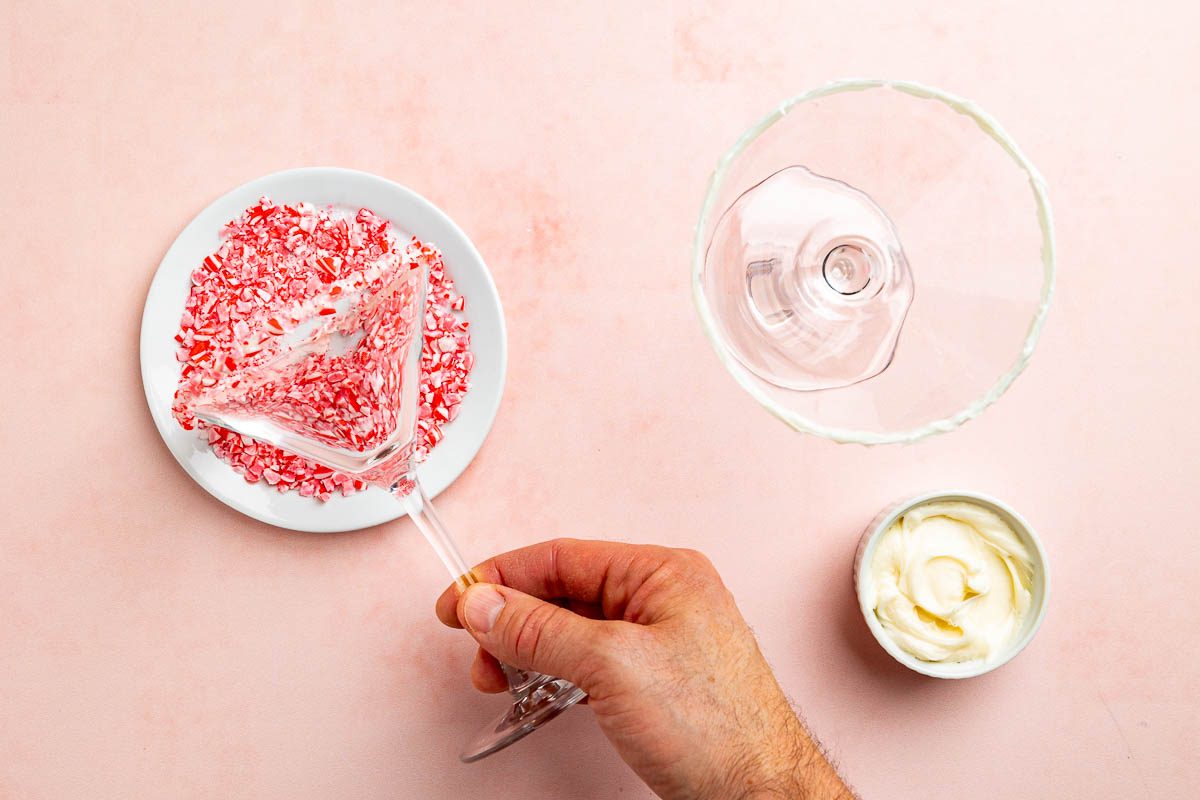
x=588, y=571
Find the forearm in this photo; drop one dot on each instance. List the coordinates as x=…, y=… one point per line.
x=812, y=776
x=789, y=763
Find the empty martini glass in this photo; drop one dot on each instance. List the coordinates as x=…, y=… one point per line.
x=874, y=261
x=349, y=372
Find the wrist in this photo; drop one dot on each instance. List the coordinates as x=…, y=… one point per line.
x=761, y=767
x=786, y=763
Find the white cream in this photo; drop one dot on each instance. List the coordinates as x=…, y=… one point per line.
x=951, y=582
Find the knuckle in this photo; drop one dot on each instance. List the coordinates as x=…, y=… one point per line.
x=560, y=544
x=606, y=645
x=531, y=632
x=557, y=554
x=621, y=657
x=699, y=561
x=692, y=567
x=690, y=572
x=604, y=658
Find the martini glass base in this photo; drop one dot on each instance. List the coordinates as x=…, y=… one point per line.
x=809, y=283
x=534, y=705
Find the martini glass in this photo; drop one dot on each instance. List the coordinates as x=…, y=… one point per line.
x=874, y=261
x=341, y=388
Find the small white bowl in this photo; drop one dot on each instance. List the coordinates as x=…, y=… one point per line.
x=967, y=669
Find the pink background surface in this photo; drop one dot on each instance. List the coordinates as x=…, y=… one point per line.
x=155, y=643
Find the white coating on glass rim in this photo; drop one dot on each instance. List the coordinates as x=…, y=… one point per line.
x=843, y=435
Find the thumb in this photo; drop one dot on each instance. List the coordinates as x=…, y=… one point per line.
x=531, y=634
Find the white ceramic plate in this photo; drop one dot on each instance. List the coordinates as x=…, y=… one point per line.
x=411, y=214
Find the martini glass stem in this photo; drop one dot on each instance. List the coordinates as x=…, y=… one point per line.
x=426, y=518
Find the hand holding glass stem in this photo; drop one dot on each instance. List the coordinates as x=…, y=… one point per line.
x=673, y=673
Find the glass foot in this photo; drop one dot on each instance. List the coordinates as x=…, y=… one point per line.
x=808, y=282
x=536, y=703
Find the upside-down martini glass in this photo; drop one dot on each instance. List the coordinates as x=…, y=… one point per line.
x=874, y=261
x=375, y=332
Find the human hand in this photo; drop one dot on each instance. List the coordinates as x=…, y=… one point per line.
x=673, y=673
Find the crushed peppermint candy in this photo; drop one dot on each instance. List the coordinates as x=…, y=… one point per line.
x=275, y=259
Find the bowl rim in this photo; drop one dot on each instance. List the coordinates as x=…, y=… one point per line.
x=752, y=384
x=950, y=670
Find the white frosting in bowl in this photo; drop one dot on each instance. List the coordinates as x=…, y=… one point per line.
x=950, y=581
